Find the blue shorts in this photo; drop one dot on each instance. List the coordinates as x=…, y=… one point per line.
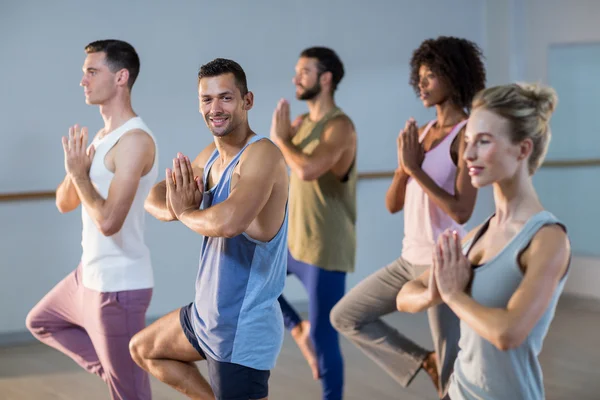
x=228, y=381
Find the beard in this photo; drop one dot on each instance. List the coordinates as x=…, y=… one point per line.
x=310, y=93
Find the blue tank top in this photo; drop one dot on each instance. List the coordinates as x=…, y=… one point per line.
x=236, y=316
x=481, y=370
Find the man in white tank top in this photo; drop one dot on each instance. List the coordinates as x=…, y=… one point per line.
x=92, y=314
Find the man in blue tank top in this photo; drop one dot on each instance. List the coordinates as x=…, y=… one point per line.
x=235, y=195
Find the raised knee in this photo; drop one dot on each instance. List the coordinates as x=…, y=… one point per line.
x=138, y=348
x=339, y=320
x=33, y=323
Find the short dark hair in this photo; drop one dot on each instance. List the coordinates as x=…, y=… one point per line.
x=220, y=66
x=328, y=61
x=457, y=61
x=119, y=55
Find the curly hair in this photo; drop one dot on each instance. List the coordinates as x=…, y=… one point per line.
x=458, y=62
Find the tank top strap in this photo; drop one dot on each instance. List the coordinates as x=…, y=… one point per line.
x=426, y=130
x=531, y=227
x=229, y=170
x=457, y=128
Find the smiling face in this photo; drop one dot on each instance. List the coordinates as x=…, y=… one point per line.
x=490, y=154
x=222, y=104
x=432, y=88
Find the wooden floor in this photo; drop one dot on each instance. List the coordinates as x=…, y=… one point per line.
x=570, y=361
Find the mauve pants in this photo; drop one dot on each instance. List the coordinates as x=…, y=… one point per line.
x=94, y=329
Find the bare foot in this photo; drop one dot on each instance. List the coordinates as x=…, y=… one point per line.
x=301, y=333
x=430, y=366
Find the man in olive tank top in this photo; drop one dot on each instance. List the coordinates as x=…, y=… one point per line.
x=320, y=149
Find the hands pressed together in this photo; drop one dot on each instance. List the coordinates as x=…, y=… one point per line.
x=281, y=127
x=410, y=150
x=78, y=158
x=451, y=271
x=184, y=190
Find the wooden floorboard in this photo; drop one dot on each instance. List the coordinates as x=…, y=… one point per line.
x=570, y=362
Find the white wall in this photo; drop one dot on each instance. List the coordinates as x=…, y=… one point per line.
x=572, y=194
x=40, y=68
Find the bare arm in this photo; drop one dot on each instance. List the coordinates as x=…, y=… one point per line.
x=545, y=262
x=67, y=199
x=421, y=293
x=337, y=137
x=260, y=166
x=394, y=197
x=460, y=205
x=156, y=203
x=132, y=155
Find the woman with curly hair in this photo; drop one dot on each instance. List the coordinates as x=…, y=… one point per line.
x=432, y=185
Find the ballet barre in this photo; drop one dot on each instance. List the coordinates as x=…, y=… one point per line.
x=591, y=162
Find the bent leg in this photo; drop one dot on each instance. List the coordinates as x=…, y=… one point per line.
x=358, y=317
x=56, y=320
x=164, y=350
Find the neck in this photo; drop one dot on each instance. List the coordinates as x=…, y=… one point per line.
x=320, y=106
x=516, y=199
x=448, y=114
x=231, y=144
x=116, y=112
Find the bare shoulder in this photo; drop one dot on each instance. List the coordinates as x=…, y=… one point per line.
x=551, y=239
x=341, y=123
x=548, y=252
x=340, y=133
x=137, y=137
x=134, y=146
x=263, y=152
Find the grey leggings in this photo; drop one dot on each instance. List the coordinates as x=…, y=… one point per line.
x=358, y=314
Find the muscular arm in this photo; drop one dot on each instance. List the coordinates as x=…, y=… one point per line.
x=460, y=205
x=260, y=167
x=132, y=154
x=66, y=196
x=336, y=138
x=156, y=202
x=545, y=262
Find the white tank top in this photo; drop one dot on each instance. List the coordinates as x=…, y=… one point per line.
x=121, y=261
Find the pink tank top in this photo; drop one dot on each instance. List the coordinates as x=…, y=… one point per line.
x=424, y=221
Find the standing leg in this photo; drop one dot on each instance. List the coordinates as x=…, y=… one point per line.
x=299, y=329
x=111, y=321
x=165, y=351
x=325, y=289
x=57, y=322
x=445, y=330
x=358, y=317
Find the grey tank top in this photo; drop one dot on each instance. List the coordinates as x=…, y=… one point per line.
x=482, y=371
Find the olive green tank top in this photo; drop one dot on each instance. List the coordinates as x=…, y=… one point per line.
x=322, y=222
